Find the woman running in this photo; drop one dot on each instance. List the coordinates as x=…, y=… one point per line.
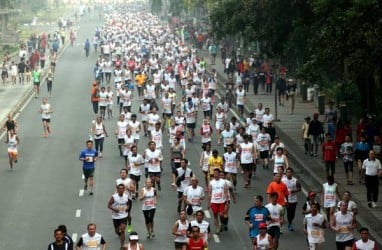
x=148, y=196
x=13, y=141
x=99, y=132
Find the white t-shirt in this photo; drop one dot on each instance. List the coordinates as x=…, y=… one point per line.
x=46, y=110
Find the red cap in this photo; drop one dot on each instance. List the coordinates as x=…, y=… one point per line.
x=311, y=194
x=262, y=225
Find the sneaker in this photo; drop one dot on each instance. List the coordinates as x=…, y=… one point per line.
x=86, y=187
x=369, y=204
x=91, y=193
x=100, y=155
x=152, y=234
x=290, y=227
x=218, y=230
x=129, y=228
x=148, y=236
x=373, y=205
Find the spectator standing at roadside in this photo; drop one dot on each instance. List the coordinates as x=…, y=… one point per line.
x=305, y=136
x=314, y=131
x=291, y=92
x=213, y=50
x=372, y=169
x=282, y=88
x=329, y=154
x=331, y=119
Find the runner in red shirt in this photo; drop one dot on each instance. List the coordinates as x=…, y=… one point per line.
x=196, y=242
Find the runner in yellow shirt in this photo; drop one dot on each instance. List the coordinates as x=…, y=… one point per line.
x=215, y=161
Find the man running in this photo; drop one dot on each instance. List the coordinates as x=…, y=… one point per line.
x=88, y=156
x=217, y=198
x=119, y=205
x=130, y=192
x=91, y=240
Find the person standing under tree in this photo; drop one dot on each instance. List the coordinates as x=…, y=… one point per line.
x=347, y=152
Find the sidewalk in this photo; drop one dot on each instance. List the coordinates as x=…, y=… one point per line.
x=311, y=171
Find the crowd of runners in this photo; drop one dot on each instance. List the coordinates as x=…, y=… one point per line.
x=146, y=66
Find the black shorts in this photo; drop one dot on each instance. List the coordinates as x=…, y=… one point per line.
x=343, y=244
x=118, y=222
x=45, y=120
x=274, y=231
x=102, y=107
x=154, y=174
x=36, y=83
x=264, y=154
x=135, y=178
x=191, y=125
x=88, y=173
x=179, y=244
x=121, y=141
x=247, y=166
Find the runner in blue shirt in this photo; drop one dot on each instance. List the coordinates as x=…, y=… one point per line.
x=88, y=156
x=256, y=215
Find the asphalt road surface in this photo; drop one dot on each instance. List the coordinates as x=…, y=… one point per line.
x=44, y=190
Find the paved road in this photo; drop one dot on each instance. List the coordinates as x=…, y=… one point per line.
x=44, y=189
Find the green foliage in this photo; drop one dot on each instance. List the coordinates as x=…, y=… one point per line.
x=323, y=41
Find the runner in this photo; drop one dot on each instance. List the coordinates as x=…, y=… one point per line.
x=136, y=162
x=190, y=114
x=294, y=187
x=196, y=241
x=206, y=132
x=67, y=238
x=120, y=132
x=126, y=147
x=181, y=180
x=153, y=158
x=88, y=156
x=49, y=81
x=219, y=123
x=9, y=125
x=130, y=190
x=109, y=102
x=203, y=162
x=329, y=196
x=13, y=141
x=135, y=127
x=343, y=223
x=102, y=102
x=314, y=225
x=263, y=141
x=228, y=137
x=364, y=243
x=231, y=166
x=156, y=135
x=193, y=196
x=231, y=194
x=215, y=161
x=263, y=240
x=255, y=216
x=98, y=130
x=217, y=198
x=119, y=205
x=36, y=76
x=59, y=243
x=277, y=216
x=46, y=111
x=148, y=196
x=133, y=242
x=180, y=231
x=91, y=240
x=248, y=154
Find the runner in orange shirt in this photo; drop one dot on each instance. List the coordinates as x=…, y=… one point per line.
x=280, y=188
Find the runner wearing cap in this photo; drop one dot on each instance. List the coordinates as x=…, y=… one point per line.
x=133, y=243
x=311, y=199
x=263, y=241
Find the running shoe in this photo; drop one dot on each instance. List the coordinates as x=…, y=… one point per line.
x=152, y=234
x=129, y=228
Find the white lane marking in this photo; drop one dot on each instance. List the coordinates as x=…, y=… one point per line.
x=81, y=193
x=207, y=214
x=78, y=213
x=74, y=237
x=83, y=177
x=25, y=104
x=216, y=238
